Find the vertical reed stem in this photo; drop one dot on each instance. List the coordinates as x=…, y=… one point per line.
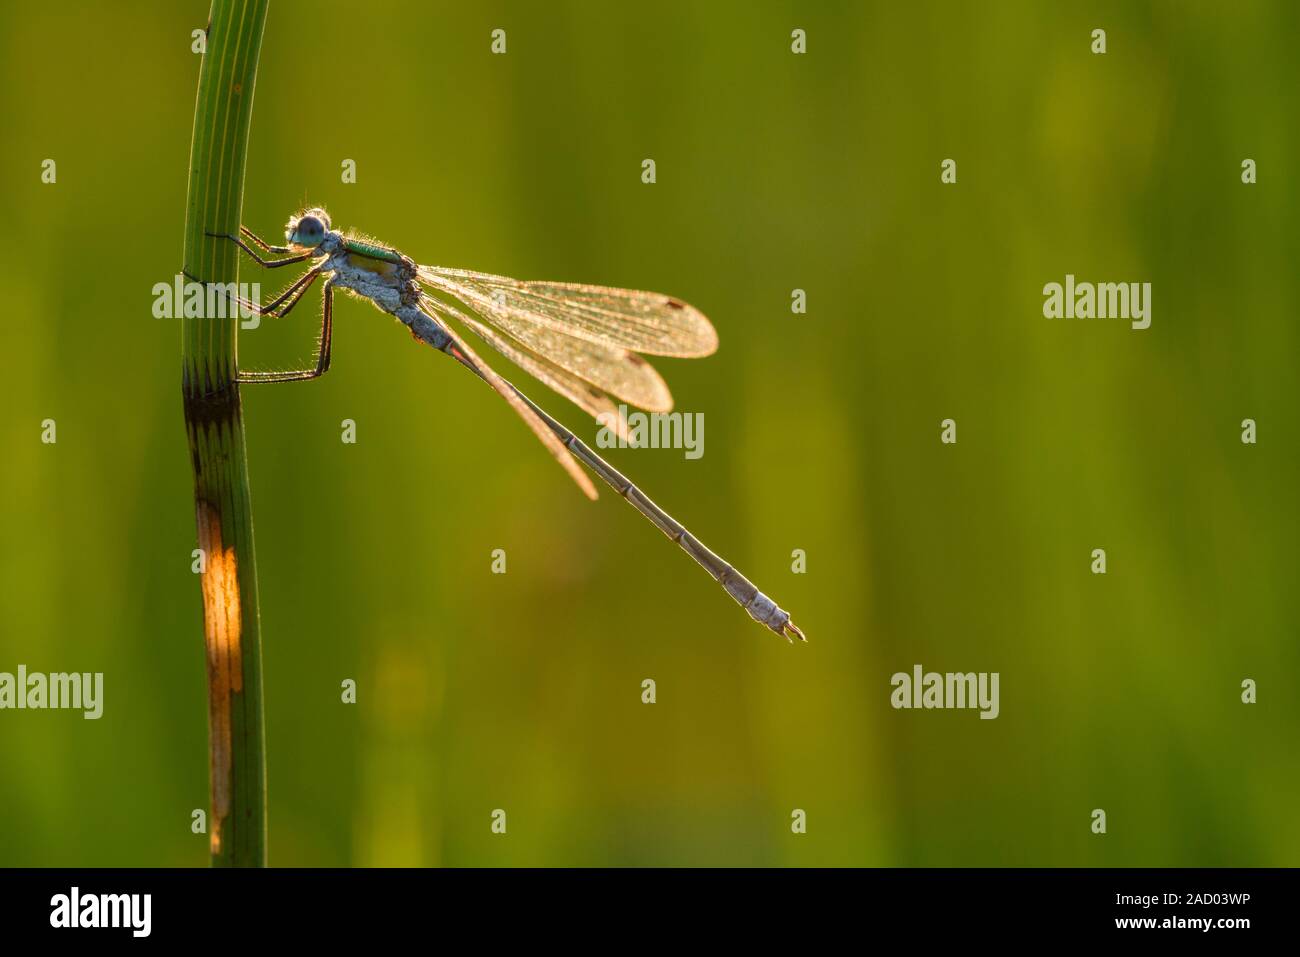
x=214, y=422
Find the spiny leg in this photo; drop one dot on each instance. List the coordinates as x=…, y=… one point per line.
x=323, y=351
x=267, y=247
x=326, y=329
x=284, y=302
x=292, y=295
x=268, y=263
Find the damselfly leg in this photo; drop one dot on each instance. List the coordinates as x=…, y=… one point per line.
x=322, y=348
x=267, y=247
x=284, y=303
x=268, y=263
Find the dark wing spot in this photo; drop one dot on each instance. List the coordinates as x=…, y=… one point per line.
x=674, y=304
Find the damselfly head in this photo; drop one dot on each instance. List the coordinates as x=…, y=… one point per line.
x=307, y=229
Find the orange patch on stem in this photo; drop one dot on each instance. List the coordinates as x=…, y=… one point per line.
x=221, y=631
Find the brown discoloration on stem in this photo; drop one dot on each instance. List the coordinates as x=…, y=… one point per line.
x=222, y=624
x=221, y=611
x=214, y=423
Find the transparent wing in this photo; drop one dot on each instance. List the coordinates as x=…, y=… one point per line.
x=647, y=322
x=574, y=363
x=577, y=390
x=540, y=428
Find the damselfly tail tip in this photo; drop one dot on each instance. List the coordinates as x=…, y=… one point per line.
x=791, y=631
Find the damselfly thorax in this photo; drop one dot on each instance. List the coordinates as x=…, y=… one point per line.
x=585, y=342
x=383, y=276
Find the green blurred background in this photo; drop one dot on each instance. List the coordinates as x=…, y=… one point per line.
x=775, y=172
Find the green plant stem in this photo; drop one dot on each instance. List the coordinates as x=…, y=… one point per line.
x=214, y=422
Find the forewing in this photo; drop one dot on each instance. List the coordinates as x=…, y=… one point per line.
x=647, y=322
x=610, y=369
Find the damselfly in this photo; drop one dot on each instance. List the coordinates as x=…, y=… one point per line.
x=584, y=342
